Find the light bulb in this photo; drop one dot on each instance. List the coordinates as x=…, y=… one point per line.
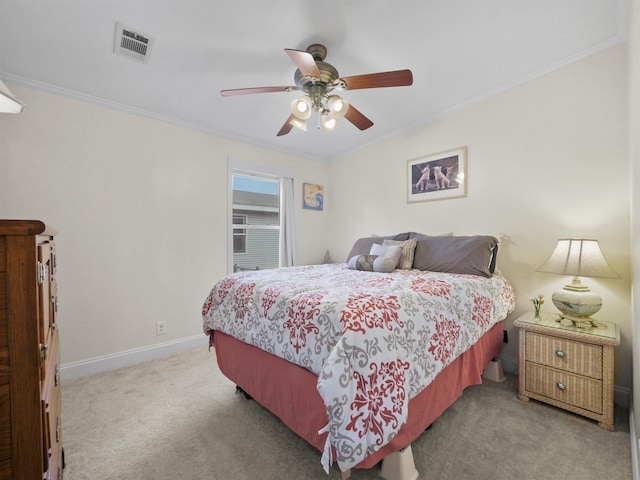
x=331, y=123
x=301, y=108
x=338, y=106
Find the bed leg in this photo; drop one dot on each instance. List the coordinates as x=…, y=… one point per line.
x=246, y=395
x=399, y=466
x=346, y=474
x=494, y=371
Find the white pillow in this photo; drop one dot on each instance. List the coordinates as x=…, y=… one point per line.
x=387, y=251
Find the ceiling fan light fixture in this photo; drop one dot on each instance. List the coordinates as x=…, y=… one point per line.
x=300, y=123
x=301, y=108
x=317, y=80
x=337, y=106
x=329, y=122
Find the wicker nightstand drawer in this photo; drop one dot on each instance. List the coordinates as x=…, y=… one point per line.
x=574, y=390
x=575, y=357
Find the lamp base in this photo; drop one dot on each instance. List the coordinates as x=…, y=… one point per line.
x=576, y=300
x=578, y=322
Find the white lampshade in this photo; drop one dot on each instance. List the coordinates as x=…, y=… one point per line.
x=337, y=106
x=329, y=122
x=298, y=123
x=301, y=108
x=577, y=257
x=8, y=103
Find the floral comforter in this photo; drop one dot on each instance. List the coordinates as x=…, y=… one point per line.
x=375, y=340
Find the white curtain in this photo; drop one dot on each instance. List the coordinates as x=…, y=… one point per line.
x=288, y=224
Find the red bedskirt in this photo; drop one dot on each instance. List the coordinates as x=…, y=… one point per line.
x=289, y=391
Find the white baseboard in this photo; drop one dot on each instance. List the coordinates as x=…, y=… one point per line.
x=84, y=368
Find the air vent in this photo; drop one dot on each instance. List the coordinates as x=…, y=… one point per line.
x=132, y=44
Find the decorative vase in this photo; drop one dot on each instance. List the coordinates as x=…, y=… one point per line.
x=537, y=303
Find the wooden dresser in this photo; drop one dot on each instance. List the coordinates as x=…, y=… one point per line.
x=569, y=367
x=30, y=392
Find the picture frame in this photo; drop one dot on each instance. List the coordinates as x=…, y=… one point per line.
x=312, y=196
x=450, y=169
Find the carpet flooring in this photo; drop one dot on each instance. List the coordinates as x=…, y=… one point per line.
x=180, y=418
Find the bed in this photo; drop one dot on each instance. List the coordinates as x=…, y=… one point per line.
x=359, y=358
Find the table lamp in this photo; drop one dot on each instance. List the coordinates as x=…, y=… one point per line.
x=581, y=258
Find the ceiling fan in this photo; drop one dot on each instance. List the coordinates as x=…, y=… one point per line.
x=318, y=80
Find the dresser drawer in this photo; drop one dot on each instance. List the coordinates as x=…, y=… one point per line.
x=53, y=439
x=52, y=395
x=571, y=356
x=564, y=387
x=51, y=366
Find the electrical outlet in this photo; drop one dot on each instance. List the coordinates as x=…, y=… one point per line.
x=161, y=328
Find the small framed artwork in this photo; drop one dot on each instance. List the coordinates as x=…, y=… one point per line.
x=312, y=196
x=437, y=176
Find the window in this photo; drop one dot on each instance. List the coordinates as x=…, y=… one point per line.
x=261, y=216
x=256, y=206
x=239, y=234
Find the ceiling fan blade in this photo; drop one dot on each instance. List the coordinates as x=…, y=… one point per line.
x=357, y=118
x=305, y=62
x=286, y=128
x=247, y=91
x=397, y=78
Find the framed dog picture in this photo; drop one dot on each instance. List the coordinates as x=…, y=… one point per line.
x=437, y=176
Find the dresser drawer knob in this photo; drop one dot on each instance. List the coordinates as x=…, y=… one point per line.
x=561, y=386
x=560, y=353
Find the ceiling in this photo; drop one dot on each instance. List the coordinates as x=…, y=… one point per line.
x=460, y=51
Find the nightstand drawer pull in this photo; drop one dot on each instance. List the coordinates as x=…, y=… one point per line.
x=560, y=353
x=561, y=386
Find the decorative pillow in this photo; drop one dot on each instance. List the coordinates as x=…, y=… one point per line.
x=362, y=246
x=398, y=236
x=372, y=263
x=384, y=265
x=421, y=236
x=408, y=249
x=362, y=262
x=474, y=255
x=388, y=251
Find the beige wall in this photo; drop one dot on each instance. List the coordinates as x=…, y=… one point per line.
x=546, y=160
x=634, y=158
x=141, y=210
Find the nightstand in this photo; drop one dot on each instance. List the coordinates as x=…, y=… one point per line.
x=569, y=367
